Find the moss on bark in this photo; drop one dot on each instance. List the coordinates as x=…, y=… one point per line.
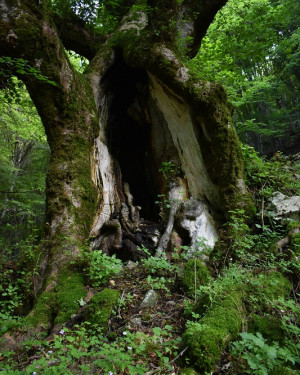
x=264, y=288
x=69, y=291
x=269, y=327
x=100, y=307
x=42, y=314
x=195, y=272
x=207, y=339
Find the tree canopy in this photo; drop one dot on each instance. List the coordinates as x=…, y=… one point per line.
x=252, y=48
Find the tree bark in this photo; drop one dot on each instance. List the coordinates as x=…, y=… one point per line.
x=110, y=129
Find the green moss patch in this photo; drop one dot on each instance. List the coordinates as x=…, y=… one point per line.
x=269, y=327
x=267, y=287
x=100, y=307
x=208, y=338
x=41, y=315
x=195, y=274
x=188, y=371
x=70, y=289
x=284, y=371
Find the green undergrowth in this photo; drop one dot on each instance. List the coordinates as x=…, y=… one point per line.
x=104, y=341
x=84, y=349
x=18, y=268
x=256, y=279
x=267, y=176
x=235, y=305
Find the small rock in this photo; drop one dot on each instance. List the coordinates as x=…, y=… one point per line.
x=136, y=321
x=171, y=303
x=150, y=299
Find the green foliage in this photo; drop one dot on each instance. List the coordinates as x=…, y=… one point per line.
x=99, y=266
x=256, y=248
x=78, y=62
x=252, y=48
x=199, y=250
x=163, y=202
x=264, y=177
x=71, y=9
x=17, y=272
x=260, y=356
x=85, y=349
x=158, y=283
x=157, y=265
x=162, y=268
x=101, y=15
x=24, y=155
x=169, y=170
x=10, y=293
x=19, y=67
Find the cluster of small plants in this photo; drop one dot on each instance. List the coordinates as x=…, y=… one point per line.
x=263, y=354
x=98, y=266
x=159, y=270
x=260, y=356
x=169, y=170
x=85, y=349
x=264, y=177
x=17, y=271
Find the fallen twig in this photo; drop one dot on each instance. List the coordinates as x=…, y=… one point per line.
x=179, y=355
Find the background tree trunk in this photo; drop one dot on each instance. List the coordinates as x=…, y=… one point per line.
x=135, y=126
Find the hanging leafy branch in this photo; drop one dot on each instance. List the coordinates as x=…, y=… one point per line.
x=9, y=67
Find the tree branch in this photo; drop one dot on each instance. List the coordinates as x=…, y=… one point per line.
x=205, y=11
x=77, y=38
x=187, y=23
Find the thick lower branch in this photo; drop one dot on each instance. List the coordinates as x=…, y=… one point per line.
x=75, y=37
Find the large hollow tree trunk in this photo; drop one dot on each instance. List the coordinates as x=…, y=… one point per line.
x=111, y=129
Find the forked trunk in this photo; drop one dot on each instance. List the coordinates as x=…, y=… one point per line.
x=136, y=129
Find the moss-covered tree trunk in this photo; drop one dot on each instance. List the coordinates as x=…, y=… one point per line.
x=136, y=125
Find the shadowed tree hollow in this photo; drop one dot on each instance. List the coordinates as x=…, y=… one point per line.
x=135, y=126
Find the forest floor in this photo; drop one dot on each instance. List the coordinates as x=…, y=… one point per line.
x=132, y=339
